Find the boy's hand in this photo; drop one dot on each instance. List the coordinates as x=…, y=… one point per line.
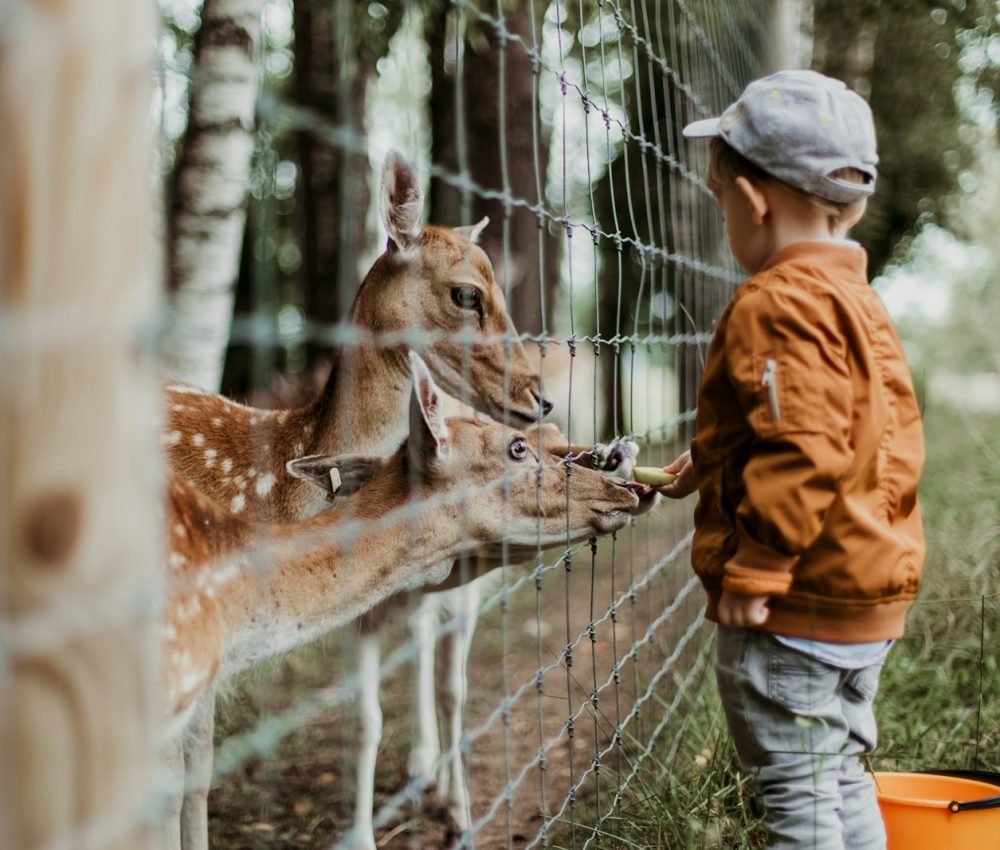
x=742, y=611
x=685, y=484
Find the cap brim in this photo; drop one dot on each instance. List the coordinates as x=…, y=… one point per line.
x=707, y=128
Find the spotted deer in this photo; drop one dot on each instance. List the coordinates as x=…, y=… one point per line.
x=432, y=286
x=431, y=283
x=240, y=591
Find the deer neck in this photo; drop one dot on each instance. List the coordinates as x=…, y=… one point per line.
x=322, y=584
x=363, y=407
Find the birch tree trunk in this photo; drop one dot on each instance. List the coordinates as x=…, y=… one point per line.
x=79, y=542
x=208, y=209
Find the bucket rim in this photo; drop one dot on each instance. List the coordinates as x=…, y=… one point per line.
x=924, y=802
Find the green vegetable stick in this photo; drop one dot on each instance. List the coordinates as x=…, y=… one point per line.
x=653, y=475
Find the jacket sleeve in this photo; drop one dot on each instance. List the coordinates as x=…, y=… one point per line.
x=788, y=363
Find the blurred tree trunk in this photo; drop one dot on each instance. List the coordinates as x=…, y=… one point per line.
x=331, y=75
x=467, y=125
x=907, y=60
x=208, y=205
x=79, y=462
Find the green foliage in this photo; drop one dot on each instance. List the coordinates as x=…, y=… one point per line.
x=909, y=58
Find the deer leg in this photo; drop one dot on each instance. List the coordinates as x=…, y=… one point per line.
x=427, y=747
x=452, y=693
x=369, y=660
x=198, y=746
x=169, y=837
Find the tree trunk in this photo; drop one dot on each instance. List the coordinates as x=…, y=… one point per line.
x=208, y=211
x=470, y=130
x=79, y=543
x=330, y=79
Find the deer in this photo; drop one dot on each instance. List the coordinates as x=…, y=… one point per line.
x=240, y=591
x=431, y=284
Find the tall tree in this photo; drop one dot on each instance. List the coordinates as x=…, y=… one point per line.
x=337, y=46
x=79, y=538
x=486, y=128
x=908, y=58
x=208, y=202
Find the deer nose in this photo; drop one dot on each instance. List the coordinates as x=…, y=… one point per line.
x=543, y=403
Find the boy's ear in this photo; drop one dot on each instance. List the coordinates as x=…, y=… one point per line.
x=855, y=216
x=756, y=198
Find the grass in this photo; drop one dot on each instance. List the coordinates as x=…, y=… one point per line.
x=939, y=701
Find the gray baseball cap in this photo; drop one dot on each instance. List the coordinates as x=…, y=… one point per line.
x=800, y=127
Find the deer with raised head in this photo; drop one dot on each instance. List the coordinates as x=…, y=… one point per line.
x=240, y=591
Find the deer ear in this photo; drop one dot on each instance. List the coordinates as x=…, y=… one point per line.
x=428, y=442
x=472, y=232
x=400, y=202
x=336, y=475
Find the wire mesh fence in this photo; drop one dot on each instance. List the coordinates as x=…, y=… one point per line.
x=570, y=657
x=561, y=122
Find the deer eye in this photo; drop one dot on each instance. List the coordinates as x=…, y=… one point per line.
x=466, y=297
x=518, y=449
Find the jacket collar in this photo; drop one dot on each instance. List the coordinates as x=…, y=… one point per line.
x=841, y=257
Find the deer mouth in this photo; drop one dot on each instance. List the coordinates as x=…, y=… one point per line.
x=607, y=521
x=516, y=416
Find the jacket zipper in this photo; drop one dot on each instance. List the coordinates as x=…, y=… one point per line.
x=770, y=383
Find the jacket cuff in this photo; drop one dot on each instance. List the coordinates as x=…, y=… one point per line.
x=756, y=570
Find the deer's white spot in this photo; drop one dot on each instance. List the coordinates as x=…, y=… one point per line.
x=171, y=439
x=240, y=482
x=198, y=440
x=180, y=530
x=238, y=504
x=178, y=408
x=254, y=420
x=265, y=483
x=227, y=464
x=217, y=422
x=210, y=457
x=281, y=417
x=251, y=473
x=299, y=449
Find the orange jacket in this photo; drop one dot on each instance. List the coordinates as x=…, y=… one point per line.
x=808, y=450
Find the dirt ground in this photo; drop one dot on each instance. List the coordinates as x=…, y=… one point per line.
x=299, y=792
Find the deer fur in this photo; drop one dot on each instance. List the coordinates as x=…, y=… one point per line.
x=242, y=591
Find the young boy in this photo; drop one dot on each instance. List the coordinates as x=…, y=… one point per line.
x=809, y=445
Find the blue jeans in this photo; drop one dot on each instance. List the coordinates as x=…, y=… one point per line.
x=800, y=726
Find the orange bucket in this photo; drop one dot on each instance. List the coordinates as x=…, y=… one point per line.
x=925, y=811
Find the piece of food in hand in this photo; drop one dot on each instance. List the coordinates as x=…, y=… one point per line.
x=653, y=475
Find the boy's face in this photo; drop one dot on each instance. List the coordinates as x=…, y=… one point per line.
x=748, y=240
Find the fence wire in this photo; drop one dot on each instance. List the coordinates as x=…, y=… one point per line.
x=594, y=663
x=587, y=655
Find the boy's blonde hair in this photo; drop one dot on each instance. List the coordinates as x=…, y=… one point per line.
x=725, y=164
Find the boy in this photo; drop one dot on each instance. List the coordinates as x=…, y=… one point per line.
x=809, y=445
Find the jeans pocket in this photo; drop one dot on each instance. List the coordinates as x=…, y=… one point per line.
x=797, y=681
x=863, y=684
